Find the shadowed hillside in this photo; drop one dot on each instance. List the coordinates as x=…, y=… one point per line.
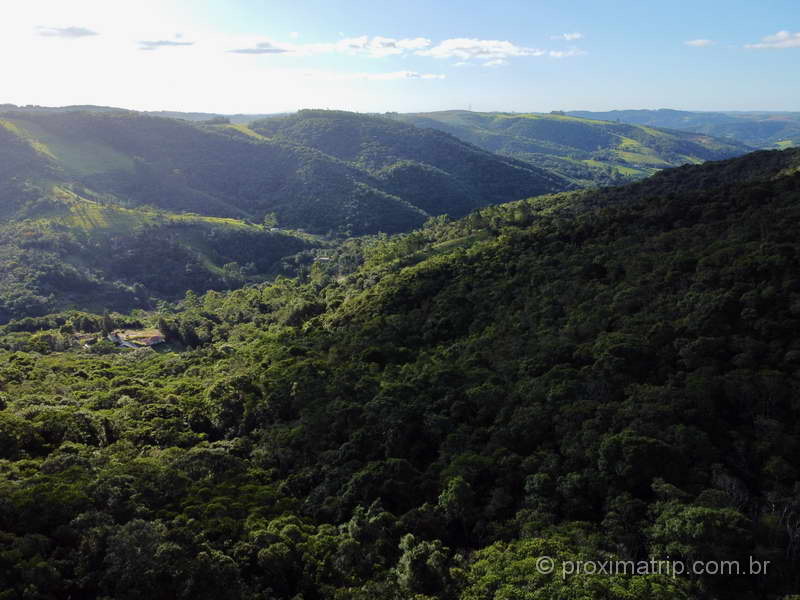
x=586, y=151
x=606, y=375
x=118, y=209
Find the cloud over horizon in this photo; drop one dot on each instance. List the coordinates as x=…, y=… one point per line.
x=150, y=45
x=66, y=32
x=566, y=53
x=569, y=37
x=782, y=39
x=701, y=43
x=489, y=51
x=260, y=48
x=371, y=46
x=397, y=75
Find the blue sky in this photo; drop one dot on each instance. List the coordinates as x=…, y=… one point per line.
x=270, y=56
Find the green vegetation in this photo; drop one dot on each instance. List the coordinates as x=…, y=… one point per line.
x=591, y=375
x=230, y=170
x=61, y=250
x=119, y=210
x=587, y=152
x=755, y=129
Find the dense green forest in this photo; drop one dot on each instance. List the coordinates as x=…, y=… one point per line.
x=109, y=209
x=591, y=375
x=228, y=170
x=586, y=151
x=756, y=129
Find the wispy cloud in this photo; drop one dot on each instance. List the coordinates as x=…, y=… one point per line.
x=323, y=75
x=701, y=43
x=566, y=53
x=782, y=39
x=569, y=37
x=156, y=44
x=66, y=32
x=372, y=46
x=379, y=46
x=488, y=51
x=260, y=48
x=397, y=75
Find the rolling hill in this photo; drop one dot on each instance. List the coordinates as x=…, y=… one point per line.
x=586, y=151
x=230, y=170
x=445, y=174
x=597, y=375
x=68, y=241
x=68, y=251
x=103, y=203
x=756, y=129
x=238, y=119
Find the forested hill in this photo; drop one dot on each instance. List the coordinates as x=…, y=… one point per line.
x=442, y=173
x=233, y=171
x=593, y=376
x=96, y=202
x=756, y=129
x=586, y=151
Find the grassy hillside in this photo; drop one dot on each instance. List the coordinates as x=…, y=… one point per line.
x=595, y=375
x=586, y=151
x=755, y=129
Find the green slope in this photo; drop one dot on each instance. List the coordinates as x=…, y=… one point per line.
x=586, y=151
x=597, y=375
x=95, y=200
x=756, y=129
x=444, y=173
x=236, y=171
x=65, y=249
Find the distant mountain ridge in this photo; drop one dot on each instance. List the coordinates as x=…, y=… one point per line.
x=231, y=170
x=237, y=118
x=444, y=173
x=586, y=151
x=96, y=201
x=759, y=129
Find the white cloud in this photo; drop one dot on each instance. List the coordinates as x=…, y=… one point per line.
x=566, y=53
x=394, y=75
x=260, y=48
x=782, y=39
x=294, y=35
x=156, y=44
x=465, y=49
x=569, y=37
x=326, y=75
x=379, y=46
x=65, y=32
x=701, y=43
x=489, y=53
x=375, y=47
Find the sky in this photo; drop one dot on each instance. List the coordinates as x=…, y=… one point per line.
x=265, y=56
